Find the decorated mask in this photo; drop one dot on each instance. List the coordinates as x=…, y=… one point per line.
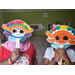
x=61, y=35
x=17, y=30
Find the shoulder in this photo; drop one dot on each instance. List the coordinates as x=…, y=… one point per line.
x=49, y=53
x=49, y=49
x=3, y=49
x=71, y=54
x=32, y=45
x=70, y=51
x=4, y=53
x=32, y=50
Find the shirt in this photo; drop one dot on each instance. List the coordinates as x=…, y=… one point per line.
x=25, y=58
x=49, y=54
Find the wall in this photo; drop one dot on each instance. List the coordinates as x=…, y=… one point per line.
x=1, y=22
x=37, y=17
x=28, y=10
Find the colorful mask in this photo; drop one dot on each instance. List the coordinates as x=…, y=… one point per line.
x=17, y=30
x=61, y=35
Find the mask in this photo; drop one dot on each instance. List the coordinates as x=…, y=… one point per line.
x=57, y=46
x=14, y=39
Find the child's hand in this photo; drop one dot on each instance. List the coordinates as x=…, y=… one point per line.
x=62, y=54
x=57, y=56
x=15, y=54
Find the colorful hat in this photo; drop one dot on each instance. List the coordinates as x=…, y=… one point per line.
x=61, y=34
x=16, y=24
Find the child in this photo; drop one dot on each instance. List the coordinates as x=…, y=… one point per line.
x=56, y=23
x=9, y=54
x=1, y=36
x=53, y=55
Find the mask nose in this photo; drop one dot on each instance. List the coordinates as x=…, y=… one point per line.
x=61, y=39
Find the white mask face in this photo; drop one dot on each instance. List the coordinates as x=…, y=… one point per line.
x=18, y=32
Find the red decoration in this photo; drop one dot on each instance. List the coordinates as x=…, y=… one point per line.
x=53, y=29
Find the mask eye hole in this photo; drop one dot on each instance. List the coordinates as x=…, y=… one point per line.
x=14, y=31
x=21, y=31
x=57, y=37
x=65, y=38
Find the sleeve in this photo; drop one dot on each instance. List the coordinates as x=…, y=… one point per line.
x=1, y=53
x=71, y=55
x=34, y=52
x=4, y=53
x=47, y=54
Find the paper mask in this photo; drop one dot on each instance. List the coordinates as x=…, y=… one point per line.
x=18, y=29
x=61, y=35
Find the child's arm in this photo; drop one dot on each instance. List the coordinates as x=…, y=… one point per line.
x=46, y=62
x=15, y=54
x=56, y=59
x=5, y=62
x=34, y=61
x=73, y=63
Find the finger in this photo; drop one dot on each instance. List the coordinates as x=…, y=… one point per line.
x=57, y=51
x=63, y=51
x=17, y=53
x=57, y=54
x=60, y=51
x=17, y=49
